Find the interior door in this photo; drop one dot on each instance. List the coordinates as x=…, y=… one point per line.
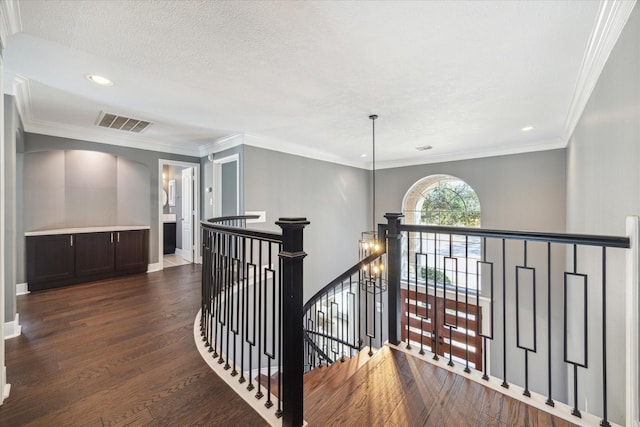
x=187, y=213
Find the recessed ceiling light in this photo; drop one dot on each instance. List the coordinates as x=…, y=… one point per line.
x=99, y=80
x=363, y=155
x=527, y=128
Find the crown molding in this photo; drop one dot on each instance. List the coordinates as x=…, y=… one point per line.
x=10, y=22
x=18, y=86
x=612, y=17
x=296, y=150
x=551, y=144
x=101, y=136
x=221, y=144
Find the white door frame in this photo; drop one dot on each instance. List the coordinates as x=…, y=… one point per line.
x=217, y=183
x=196, y=203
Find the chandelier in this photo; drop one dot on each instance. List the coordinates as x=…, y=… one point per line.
x=372, y=278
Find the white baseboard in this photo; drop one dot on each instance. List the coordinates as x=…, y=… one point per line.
x=269, y=415
x=156, y=266
x=12, y=329
x=7, y=387
x=22, y=288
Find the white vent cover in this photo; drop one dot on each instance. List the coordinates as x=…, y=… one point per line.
x=127, y=124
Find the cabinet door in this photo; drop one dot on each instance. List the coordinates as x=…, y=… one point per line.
x=95, y=254
x=169, y=233
x=50, y=260
x=132, y=251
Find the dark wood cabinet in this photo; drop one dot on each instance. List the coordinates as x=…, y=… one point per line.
x=132, y=251
x=169, y=237
x=95, y=254
x=65, y=259
x=51, y=260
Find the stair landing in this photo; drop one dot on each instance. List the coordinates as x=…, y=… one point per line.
x=396, y=389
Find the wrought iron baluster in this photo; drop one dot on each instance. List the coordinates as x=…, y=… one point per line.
x=549, y=365
x=504, y=384
x=605, y=421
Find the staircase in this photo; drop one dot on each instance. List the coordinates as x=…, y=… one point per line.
x=393, y=388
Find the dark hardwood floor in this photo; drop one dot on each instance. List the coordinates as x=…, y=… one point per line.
x=116, y=353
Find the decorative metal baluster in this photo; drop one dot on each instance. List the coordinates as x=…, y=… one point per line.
x=604, y=421
x=549, y=366
x=279, y=315
x=235, y=298
x=251, y=338
x=451, y=327
x=534, y=320
x=259, y=394
x=270, y=353
x=436, y=325
x=575, y=411
x=243, y=301
x=504, y=384
x=217, y=279
x=466, y=302
x=479, y=331
x=228, y=297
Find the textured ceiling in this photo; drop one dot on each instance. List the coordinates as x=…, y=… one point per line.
x=303, y=77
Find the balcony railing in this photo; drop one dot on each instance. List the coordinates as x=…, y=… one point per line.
x=520, y=311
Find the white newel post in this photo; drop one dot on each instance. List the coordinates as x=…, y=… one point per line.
x=633, y=323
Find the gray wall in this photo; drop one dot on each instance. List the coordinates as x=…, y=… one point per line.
x=334, y=198
x=516, y=192
x=36, y=143
x=603, y=181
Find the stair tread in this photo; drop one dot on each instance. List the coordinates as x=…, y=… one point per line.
x=317, y=398
x=336, y=373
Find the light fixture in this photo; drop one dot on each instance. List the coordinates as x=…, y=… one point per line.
x=372, y=276
x=363, y=155
x=527, y=128
x=99, y=80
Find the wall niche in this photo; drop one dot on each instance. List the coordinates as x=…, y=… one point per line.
x=78, y=188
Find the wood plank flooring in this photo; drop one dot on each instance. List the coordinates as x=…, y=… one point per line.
x=396, y=389
x=116, y=353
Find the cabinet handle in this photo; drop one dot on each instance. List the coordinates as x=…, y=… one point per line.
x=112, y=237
x=118, y=237
x=71, y=241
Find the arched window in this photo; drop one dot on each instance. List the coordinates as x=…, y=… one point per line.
x=442, y=200
x=448, y=201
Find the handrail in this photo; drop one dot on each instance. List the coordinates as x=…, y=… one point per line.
x=339, y=279
x=566, y=238
x=232, y=218
x=229, y=229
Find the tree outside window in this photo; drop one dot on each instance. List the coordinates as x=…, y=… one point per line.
x=447, y=201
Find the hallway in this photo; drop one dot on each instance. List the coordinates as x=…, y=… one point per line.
x=115, y=353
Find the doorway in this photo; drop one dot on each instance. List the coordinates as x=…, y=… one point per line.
x=226, y=177
x=179, y=207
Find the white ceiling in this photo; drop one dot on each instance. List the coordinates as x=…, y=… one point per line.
x=303, y=77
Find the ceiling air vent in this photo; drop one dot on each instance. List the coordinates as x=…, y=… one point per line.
x=126, y=124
